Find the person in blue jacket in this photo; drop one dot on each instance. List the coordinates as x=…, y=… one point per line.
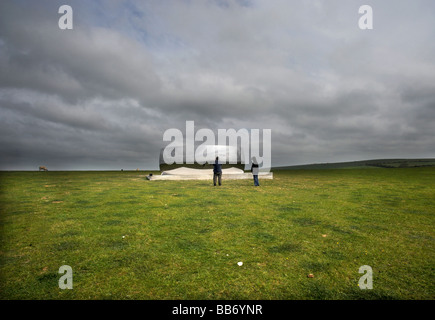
x=217, y=171
x=254, y=170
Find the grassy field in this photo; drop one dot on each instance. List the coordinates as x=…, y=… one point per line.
x=129, y=238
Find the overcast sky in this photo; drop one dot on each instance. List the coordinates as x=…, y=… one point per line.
x=100, y=96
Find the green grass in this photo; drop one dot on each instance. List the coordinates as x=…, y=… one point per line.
x=183, y=239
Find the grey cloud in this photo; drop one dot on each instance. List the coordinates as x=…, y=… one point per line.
x=101, y=95
x=82, y=64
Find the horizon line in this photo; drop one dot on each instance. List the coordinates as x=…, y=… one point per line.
x=273, y=167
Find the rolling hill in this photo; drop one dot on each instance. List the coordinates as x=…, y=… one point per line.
x=380, y=163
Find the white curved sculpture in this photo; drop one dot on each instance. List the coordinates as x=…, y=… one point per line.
x=183, y=171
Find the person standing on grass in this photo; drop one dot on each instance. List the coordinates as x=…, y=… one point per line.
x=217, y=171
x=254, y=170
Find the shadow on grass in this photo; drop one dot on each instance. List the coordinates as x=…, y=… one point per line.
x=67, y=245
x=306, y=222
x=286, y=247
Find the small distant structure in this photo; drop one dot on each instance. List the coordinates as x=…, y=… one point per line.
x=137, y=169
x=43, y=168
x=122, y=169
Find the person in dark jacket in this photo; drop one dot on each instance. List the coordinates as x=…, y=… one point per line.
x=217, y=171
x=254, y=170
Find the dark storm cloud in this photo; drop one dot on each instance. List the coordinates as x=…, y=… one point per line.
x=76, y=66
x=101, y=95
